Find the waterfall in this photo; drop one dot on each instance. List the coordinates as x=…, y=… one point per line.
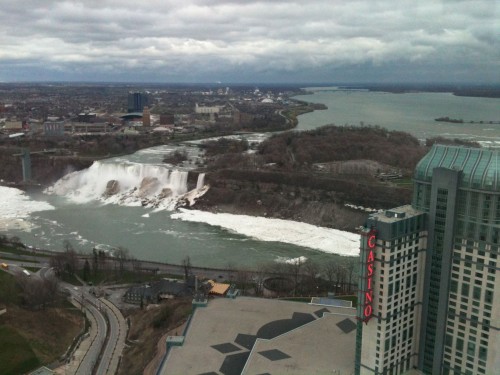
x=125, y=183
x=201, y=181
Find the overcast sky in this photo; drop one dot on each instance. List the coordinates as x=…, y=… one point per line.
x=250, y=41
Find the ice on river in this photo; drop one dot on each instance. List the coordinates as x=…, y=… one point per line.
x=15, y=206
x=266, y=229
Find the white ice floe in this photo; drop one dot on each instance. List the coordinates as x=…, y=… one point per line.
x=294, y=261
x=15, y=207
x=287, y=231
x=15, y=204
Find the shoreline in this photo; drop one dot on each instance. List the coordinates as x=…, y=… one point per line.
x=475, y=91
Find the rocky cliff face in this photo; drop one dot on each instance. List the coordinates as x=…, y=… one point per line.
x=317, y=201
x=45, y=170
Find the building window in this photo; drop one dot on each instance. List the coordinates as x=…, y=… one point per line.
x=488, y=296
x=476, y=294
x=453, y=286
x=483, y=353
x=471, y=348
x=465, y=289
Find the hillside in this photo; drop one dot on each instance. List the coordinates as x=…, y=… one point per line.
x=31, y=338
x=312, y=176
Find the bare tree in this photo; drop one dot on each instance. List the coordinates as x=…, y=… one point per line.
x=136, y=264
x=121, y=255
x=311, y=270
x=186, y=264
x=65, y=262
x=350, y=265
x=71, y=258
x=243, y=278
x=340, y=276
x=258, y=278
x=95, y=261
x=295, y=266
x=37, y=292
x=329, y=269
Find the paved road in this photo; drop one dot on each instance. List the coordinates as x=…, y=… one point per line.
x=115, y=335
x=94, y=348
x=116, y=340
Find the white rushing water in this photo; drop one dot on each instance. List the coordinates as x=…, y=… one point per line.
x=16, y=207
x=287, y=231
x=127, y=184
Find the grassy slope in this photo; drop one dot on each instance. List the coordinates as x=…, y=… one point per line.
x=16, y=355
x=31, y=338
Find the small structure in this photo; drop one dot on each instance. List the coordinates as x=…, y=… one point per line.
x=219, y=289
x=156, y=291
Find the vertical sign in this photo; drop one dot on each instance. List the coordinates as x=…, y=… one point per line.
x=371, y=242
x=367, y=260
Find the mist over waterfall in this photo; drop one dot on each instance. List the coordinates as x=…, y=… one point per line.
x=131, y=184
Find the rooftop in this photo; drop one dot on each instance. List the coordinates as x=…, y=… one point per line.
x=253, y=336
x=480, y=167
x=395, y=214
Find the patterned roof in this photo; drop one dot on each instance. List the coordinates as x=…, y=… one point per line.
x=480, y=167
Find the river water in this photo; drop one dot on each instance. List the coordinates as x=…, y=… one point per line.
x=413, y=113
x=80, y=215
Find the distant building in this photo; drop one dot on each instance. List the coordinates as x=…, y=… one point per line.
x=53, y=128
x=137, y=101
x=206, y=109
x=87, y=117
x=86, y=128
x=146, y=117
x=154, y=292
x=167, y=119
x=242, y=118
x=13, y=126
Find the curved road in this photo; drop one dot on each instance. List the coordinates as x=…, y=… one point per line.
x=116, y=340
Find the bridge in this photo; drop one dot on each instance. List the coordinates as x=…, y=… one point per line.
x=26, y=160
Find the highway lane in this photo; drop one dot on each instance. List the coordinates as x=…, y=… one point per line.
x=116, y=339
x=90, y=358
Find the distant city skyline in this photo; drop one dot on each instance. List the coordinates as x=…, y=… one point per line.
x=235, y=41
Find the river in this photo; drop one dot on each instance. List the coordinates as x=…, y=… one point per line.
x=81, y=216
x=413, y=113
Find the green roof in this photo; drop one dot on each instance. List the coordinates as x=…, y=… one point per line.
x=480, y=167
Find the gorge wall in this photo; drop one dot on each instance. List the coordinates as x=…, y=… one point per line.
x=302, y=197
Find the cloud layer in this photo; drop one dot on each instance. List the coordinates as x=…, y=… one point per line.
x=245, y=40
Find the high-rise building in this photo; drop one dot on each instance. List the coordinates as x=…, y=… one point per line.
x=137, y=101
x=427, y=298
x=146, y=117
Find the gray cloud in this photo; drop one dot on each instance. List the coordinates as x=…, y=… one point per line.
x=322, y=40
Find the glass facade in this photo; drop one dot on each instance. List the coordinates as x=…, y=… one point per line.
x=437, y=271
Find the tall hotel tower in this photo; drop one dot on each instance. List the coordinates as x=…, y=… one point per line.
x=429, y=272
